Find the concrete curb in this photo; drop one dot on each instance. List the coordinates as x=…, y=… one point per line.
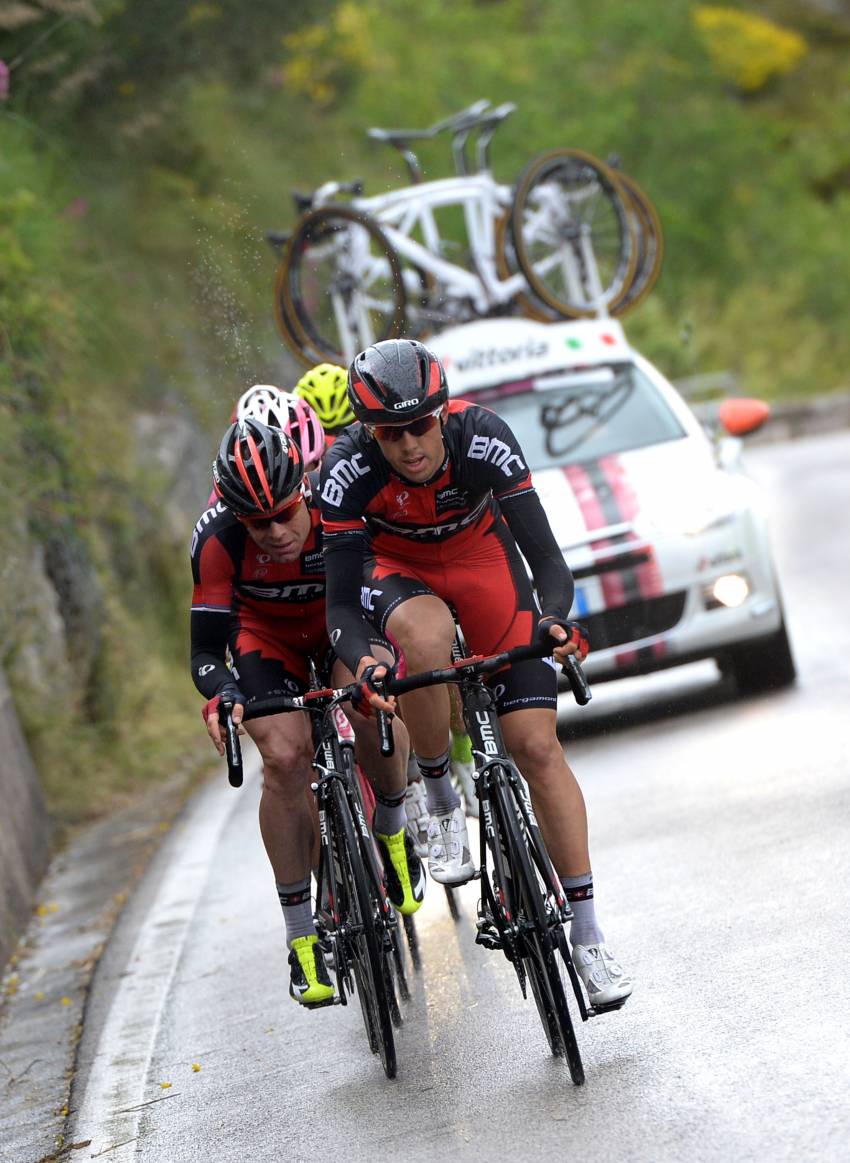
x=46, y=984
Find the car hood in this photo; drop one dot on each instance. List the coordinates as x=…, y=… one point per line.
x=670, y=485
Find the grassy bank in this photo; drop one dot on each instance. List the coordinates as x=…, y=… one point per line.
x=145, y=148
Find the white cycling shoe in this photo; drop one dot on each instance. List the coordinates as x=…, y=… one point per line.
x=418, y=818
x=602, y=975
x=449, y=854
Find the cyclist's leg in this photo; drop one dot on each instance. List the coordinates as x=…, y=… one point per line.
x=287, y=816
x=405, y=608
x=388, y=775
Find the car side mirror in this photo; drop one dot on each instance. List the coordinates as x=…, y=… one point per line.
x=743, y=415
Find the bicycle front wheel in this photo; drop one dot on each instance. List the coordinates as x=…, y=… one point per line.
x=365, y=937
x=537, y=942
x=573, y=237
x=340, y=286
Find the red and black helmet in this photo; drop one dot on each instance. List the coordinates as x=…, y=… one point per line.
x=394, y=381
x=256, y=469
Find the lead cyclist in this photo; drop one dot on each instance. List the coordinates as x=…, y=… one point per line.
x=325, y=389
x=428, y=502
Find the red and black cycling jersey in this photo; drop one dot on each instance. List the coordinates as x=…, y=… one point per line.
x=367, y=508
x=237, y=587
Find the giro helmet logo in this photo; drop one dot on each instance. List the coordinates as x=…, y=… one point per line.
x=404, y=404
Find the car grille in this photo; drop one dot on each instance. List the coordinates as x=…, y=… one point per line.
x=634, y=621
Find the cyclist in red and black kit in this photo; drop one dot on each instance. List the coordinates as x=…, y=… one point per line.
x=259, y=591
x=426, y=504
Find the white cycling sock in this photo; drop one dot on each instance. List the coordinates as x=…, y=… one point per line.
x=579, y=891
x=297, y=908
x=442, y=797
x=390, y=816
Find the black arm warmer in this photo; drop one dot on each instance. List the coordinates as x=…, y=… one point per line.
x=209, y=645
x=348, y=629
x=533, y=534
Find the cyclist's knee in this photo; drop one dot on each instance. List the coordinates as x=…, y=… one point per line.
x=286, y=766
x=539, y=756
x=425, y=629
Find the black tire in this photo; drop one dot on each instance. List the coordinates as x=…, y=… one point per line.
x=765, y=664
x=339, y=286
x=371, y=971
x=538, y=946
x=564, y=200
x=650, y=245
x=451, y=901
x=412, y=942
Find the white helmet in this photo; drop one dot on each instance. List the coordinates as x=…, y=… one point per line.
x=291, y=414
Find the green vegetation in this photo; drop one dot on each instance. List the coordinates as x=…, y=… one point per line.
x=146, y=146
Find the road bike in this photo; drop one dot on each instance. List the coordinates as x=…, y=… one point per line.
x=523, y=908
x=355, y=919
x=363, y=269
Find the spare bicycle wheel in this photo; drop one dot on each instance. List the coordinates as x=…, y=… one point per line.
x=650, y=245
x=340, y=286
x=572, y=233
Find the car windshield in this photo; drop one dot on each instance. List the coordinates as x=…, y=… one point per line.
x=583, y=414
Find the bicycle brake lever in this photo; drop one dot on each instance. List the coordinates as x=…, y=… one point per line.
x=578, y=683
x=385, y=723
x=232, y=747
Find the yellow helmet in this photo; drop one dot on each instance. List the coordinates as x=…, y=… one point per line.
x=325, y=388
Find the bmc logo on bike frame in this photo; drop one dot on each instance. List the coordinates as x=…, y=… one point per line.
x=343, y=474
x=488, y=735
x=496, y=451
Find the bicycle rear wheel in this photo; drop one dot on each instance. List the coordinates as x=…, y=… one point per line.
x=365, y=936
x=573, y=238
x=340, y=286
x=537, y=943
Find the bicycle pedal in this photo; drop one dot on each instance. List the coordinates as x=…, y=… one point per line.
x=320, y=1005
x=598, y=1010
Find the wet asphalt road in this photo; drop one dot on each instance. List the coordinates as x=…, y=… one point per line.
x=719, y=836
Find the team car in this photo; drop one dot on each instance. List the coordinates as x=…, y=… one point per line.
x=665, y=534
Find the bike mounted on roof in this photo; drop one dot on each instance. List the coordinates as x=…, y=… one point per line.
x=573, y=237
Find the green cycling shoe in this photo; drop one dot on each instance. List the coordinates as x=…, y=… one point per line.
x=403, y=869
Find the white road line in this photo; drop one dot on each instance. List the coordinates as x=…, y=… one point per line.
x=117, y=1088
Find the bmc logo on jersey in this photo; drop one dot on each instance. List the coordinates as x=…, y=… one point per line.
x=214, y=511
x=343, y=474
x=496, y=451
x=367, y=597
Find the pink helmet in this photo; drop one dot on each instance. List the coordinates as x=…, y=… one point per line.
x=288, y=412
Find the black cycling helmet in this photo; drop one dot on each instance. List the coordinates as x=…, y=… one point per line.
x=394, y=381
x=256, y=469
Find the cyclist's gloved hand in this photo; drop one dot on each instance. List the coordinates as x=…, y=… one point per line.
x=573, y=641
x=229, y=695
x=369, y=694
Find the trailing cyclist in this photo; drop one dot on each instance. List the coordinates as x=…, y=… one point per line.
x=426, y=505
x=259, y=594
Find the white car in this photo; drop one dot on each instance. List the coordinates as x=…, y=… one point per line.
x=665, y=535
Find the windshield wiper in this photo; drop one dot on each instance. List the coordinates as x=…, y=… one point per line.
x=596, y=408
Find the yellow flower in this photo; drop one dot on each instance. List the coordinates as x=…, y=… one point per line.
x=746, y=49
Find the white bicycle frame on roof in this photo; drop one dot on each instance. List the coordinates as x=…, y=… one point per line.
x=399, y=212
